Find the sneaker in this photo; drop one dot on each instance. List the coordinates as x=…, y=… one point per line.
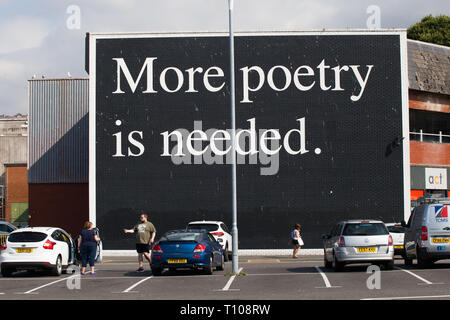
x=140, y=270
x=93, y=273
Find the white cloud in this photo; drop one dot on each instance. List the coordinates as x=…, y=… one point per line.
x=11, y=70
x=54, y=49
x=20, y=33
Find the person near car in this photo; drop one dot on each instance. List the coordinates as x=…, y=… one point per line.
x=296, y=240
x=145, y=236
x=87, y=247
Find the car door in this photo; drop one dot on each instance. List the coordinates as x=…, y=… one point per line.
x=414, y=231
x=99, y=254
x=409, y=245
x=329, y=243
x=228, y=236
x=63, y=248
x=68, y=239
x=215, y=248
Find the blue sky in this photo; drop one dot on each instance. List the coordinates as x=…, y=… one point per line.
x=35, y=39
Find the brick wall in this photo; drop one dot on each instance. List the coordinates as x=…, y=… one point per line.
x=16, y=187
x=429, y=154
x=429, y=101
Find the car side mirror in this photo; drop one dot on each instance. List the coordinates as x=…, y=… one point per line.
x=326, y=236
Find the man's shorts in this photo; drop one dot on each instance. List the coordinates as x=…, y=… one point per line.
x=142, y=248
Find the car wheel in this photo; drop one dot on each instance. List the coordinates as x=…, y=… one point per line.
x=57, y=269
x=327, y=263
x=222, y=265
x=421, y=261
x=337, y=266
x=210, y=269
x=7, y=272
x=226, y=254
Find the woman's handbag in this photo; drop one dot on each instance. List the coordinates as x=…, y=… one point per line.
x=300, y=241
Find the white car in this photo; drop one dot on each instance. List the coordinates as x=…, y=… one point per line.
x=219, y=230
x=42, y=248
x=398, y=235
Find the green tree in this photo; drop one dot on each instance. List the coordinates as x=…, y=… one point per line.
x=432, y=29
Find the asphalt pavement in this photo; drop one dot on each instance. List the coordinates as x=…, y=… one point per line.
x=261, y=278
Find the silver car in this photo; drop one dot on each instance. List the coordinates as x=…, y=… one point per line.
x=5, y=229
x=427, y=236
x=358, y=241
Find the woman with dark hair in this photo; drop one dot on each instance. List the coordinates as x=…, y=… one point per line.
x=87, y=246
x=296, y=240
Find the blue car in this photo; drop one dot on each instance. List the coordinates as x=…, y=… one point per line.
x=188, y=248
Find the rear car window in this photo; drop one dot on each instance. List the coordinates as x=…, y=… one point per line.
x=182, y=236
x=396, y=229
x=207, y=227
x=364, y=229
x=27, y=237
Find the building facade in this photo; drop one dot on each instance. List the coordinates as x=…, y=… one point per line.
x=429, y=113
x=58, y=153
x=13, y=150
x=59, y=139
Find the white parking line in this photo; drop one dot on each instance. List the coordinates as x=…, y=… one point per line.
x=230, y=281
x=32, y=291
x=135, y=285
x=415, y=275
x=325, y=279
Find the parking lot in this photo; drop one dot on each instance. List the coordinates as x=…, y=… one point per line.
x=273, y=278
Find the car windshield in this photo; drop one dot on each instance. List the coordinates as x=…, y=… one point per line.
x=27, y=237
x=182, y=236
x=396, y=229
x=364, y=229
x=208, y=227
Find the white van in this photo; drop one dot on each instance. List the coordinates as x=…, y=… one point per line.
x=427, y=234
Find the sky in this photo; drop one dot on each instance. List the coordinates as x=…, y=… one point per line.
x=46, y=37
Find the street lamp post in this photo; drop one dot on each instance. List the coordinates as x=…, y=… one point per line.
x=234, y=229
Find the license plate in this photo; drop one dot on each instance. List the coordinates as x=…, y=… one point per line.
x=440, y=240
x=177, y=261
x=24, y=250
x=371, y=249
x=398, y=247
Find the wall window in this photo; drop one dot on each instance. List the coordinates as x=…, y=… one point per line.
x=429, y=126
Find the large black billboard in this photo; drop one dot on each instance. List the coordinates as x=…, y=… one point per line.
x=323, y=132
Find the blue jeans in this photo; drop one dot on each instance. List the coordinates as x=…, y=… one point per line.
x=88, y=253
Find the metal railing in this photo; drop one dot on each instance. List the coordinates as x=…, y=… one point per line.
x=429, y=200
x=429, y=137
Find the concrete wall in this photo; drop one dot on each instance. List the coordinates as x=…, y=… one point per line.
x=13, y=149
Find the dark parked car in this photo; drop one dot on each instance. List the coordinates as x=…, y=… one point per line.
x=188, y=248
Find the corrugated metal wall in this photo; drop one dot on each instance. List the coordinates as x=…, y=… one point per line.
x=58, y=131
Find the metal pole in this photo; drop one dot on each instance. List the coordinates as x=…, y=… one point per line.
x=234, y=229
